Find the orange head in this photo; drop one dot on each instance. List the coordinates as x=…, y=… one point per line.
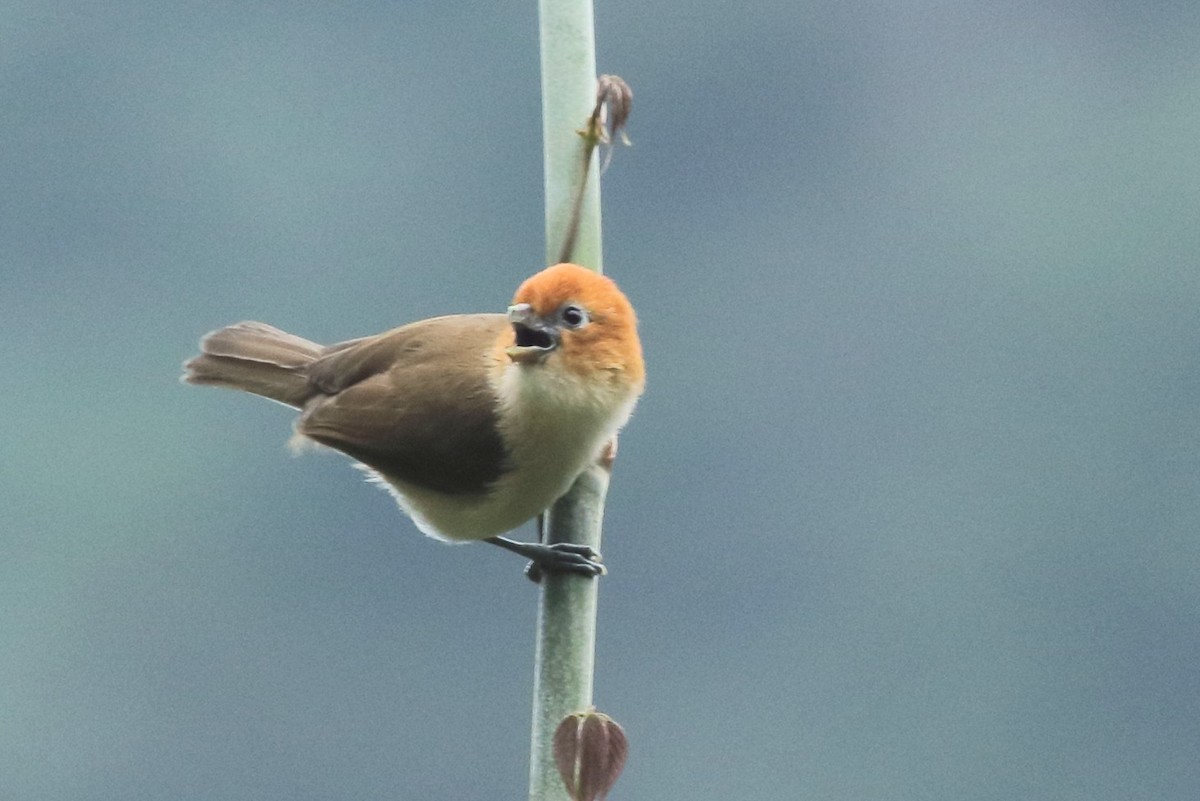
x=580, y=318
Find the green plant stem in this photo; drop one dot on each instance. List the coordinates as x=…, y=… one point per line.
x=568, y=98
x=566, y=626
x=566, y=632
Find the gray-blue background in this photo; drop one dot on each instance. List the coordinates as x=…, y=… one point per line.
x=910, y=508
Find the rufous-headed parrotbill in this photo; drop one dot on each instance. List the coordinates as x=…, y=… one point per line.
x=475, y=422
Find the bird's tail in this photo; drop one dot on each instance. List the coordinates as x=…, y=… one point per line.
x=257, y=358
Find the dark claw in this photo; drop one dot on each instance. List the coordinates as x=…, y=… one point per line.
x=562, y=557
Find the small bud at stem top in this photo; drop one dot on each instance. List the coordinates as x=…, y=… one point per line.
x=614, y=103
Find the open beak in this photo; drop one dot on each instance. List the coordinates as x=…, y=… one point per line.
x=534, y=338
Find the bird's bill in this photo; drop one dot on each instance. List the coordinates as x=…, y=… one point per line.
x=534, y=339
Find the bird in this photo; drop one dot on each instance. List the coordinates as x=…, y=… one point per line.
x=475, y=423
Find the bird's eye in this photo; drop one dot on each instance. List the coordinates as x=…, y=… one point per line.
x=573, y=316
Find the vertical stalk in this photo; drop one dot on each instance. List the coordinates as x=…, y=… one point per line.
x=566, y=625
x=568, y=96
x=566, y=632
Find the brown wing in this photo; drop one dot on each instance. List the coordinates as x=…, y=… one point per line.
x=413, y=403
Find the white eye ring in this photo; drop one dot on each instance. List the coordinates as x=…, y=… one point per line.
x=573, y=316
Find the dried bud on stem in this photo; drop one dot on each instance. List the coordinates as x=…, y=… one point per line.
x=590, y=750
x=614, y=103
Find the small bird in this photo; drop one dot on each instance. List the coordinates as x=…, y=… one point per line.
x=475, y=423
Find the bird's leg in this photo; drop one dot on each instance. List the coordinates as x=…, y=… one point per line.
x=608, y=456
x=561, y=557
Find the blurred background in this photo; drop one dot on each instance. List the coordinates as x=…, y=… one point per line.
x=910, y=507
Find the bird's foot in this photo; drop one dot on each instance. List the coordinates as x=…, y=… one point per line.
x=560, y=557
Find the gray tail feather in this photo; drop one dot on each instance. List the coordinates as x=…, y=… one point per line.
x=256, y=358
